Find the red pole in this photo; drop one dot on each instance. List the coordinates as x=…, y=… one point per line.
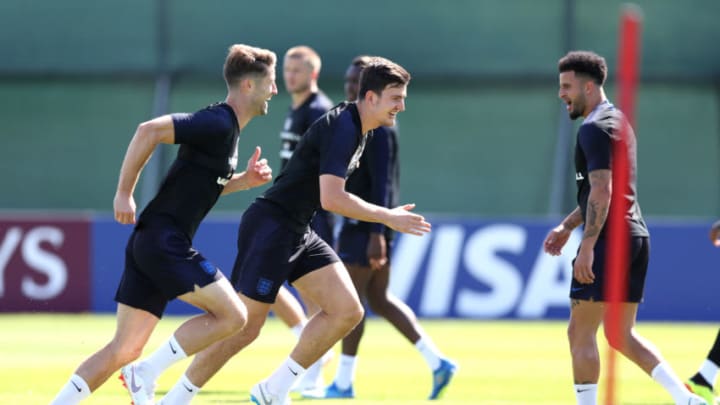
x=618, y=235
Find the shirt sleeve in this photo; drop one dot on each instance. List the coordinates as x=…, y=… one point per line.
x=202, y=127
x=378, y=158
x=596, y=146
x=338, y=147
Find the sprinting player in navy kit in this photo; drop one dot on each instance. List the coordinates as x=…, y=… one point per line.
x=365, y=249
x=703, y=382
x=582, y=75
x=160, y=262
x=275, y=243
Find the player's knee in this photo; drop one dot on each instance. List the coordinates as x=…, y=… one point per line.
x=379, y=306
x=618, y=342
x=348, y=315
x=578, y=337
x=231, y=319
x=238, y=318
x=252, y=330
x=353, y=316
x=125, y=352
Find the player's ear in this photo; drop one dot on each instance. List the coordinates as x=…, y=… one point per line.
x=371, y=97
x=247, y=83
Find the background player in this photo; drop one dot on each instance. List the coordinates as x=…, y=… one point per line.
x=703, y=382
x=301, y=70
x=160, y=262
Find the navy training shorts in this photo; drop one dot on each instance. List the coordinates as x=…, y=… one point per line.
x=635, y=277
x=272, y=251
x=160, y=265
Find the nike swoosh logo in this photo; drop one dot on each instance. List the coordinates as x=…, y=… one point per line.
x=133, y=387
x=76, y=386
x=576, y=289
x=187, y=388
x=579, y=391
x=172, y=348
x=293, y=371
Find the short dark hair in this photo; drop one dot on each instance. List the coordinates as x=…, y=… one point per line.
x=380, y=73
x=585, y=63
x=361, y=61
x=244, y=59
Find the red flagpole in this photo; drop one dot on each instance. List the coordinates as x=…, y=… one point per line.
x=618, y=235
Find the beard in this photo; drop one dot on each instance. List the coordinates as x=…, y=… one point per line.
x=577, y=109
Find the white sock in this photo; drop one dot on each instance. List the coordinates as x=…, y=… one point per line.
x=166, y=355
x=297, y=329
x=181, y=393
x=346, y=371
x=663, y=374
x=73, y=392
x=709, y=371
x=586, y=394
x=313, y=377
x=429, y=351
x=284, y=378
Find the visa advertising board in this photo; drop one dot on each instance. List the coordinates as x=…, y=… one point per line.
x=466, y=268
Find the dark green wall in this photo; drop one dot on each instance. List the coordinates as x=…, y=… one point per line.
x=466, y=37
x=478, y=136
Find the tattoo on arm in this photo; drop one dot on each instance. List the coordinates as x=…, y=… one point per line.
x=573, y=220
x=596, y=215
x=598, y=202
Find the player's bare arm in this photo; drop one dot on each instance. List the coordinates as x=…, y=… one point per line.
x=558, y=236
x=147, y=136
x=334, y=198
x=597, y=211
x=256, y=174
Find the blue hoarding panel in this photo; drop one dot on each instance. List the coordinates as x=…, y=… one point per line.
x=478, y=269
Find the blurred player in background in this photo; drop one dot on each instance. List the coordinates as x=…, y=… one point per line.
x=581, y=77
x=301, y=70
x=703, y=382
x=365, y=249
x=160, y=262
x=276, y=243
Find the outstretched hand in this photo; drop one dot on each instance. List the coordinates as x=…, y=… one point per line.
x=258, y=172
x=402, y=220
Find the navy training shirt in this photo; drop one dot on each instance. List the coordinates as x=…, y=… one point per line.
x=593, y=151
x=332, y=145
x=299, y=120
x=377, y=179
x=205, y=161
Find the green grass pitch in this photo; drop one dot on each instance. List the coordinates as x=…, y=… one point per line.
x=501, y=362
